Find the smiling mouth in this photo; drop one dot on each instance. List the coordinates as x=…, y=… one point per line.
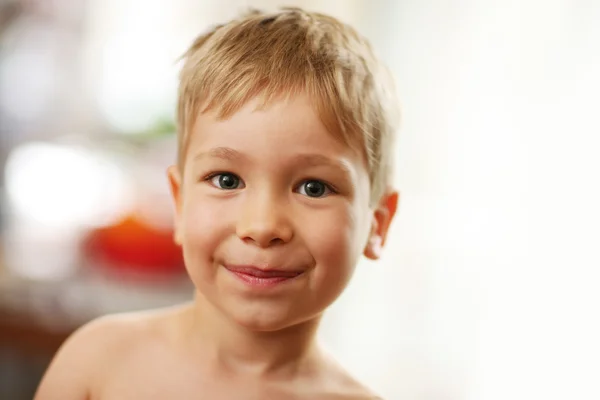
x=255, y=276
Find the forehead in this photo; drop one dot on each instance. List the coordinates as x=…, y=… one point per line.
x=285, y=127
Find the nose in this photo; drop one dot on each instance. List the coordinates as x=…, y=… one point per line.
x=264, y=220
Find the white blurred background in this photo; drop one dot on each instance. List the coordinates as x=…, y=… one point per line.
x=489, y=285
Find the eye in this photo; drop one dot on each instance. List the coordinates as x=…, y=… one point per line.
x=225, y=181
x=314, y=188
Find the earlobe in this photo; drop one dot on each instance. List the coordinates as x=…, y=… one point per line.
x=373, y=248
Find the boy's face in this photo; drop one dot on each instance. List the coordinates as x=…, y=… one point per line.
x=273, y=214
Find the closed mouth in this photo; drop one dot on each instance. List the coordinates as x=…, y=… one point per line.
x=255, y=276
x=263, y=273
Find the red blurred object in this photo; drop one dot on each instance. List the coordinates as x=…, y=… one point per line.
x=135, y=246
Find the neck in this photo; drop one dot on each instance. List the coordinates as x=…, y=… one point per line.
x=237, y=349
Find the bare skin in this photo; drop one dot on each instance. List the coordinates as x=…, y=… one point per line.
x=150, y=355
x=265, y=190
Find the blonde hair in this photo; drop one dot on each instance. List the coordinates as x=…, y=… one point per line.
x=275, y=55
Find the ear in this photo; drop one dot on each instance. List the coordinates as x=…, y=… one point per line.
x=382, y=218
x=174, y=177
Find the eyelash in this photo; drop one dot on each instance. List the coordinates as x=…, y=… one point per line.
x=329, y=190
x=213, y=175
x=332, y=189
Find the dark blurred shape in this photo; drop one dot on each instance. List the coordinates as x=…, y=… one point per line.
x=9, y=11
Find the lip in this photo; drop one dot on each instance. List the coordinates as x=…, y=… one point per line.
x=262, y=277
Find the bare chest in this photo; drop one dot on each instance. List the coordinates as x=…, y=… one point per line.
x=156, y=373
x=159, y=382
x=155, y=390
x=169, y=381
x=182, y=385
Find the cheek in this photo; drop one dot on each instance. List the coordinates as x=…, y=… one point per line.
x=204, y=225
x=335, y=242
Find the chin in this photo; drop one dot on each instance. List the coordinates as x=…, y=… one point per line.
x=257, y=321
x=264, y=326
x=267, y=318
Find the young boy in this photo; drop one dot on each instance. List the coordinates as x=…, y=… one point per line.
x=283, y=180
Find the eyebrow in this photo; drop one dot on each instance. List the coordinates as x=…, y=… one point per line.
x=314, y=160
x=225, y=153
x=308, y=159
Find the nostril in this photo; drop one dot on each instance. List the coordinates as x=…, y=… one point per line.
x=276, y=241
x=263, y=242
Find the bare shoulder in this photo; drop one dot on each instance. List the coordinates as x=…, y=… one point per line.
x=83, y=360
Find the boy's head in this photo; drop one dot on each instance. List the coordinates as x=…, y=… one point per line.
x=279, y=55
x=285, y=148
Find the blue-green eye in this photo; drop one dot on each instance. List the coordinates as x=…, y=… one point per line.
x=226, y=181
x=314, y=188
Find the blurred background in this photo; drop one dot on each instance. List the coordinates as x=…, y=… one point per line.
x=489, y=285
